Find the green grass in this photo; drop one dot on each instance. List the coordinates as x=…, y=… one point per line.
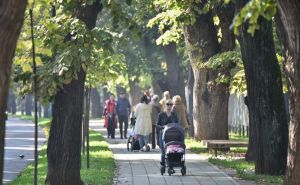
x=102, y=164
x=245, y=170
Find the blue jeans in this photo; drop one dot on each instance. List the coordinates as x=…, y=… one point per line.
x=143, y=140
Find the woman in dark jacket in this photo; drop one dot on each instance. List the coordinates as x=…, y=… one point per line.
x=164, y=118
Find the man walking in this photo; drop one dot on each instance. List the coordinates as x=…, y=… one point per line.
x=123, y=111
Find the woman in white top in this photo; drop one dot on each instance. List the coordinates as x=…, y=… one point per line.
x=143, y=125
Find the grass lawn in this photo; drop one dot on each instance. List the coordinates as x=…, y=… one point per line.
x=102, y=164
x=244, y=169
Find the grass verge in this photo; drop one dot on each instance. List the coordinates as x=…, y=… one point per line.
x=244, y=169
x=102, y=164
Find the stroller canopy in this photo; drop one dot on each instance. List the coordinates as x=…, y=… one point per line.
x=173, y=132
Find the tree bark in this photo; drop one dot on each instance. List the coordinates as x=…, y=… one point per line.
x=190, y=85
x=11, y=21
x=134, y=92
x=46, y=110
x=63, y=152
x=289, y=15
x=267, y=115
x=96, y=111
x=174, y=75
x=28, y=104
x=210, y=111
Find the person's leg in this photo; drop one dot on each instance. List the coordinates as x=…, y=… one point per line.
x=162, y=149
x=121, y=119
x=125, y=126
x=141, y=141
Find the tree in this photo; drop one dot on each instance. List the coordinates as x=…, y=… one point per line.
x=96, y=109
x=207, y=57
x=267, y=115
x=9, y=33
x=63, y=150
x=289, y=12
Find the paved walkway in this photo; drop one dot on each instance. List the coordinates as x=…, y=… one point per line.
x=19, y=139
x=143, y=168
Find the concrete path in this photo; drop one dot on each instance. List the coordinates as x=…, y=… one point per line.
x=19, y=139
x=143, y=168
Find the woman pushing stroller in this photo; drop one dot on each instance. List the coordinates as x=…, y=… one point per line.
x=171, y=140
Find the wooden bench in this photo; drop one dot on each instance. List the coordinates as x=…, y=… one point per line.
x=223, y=144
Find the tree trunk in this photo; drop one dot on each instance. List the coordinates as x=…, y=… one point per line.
x=210, y=104
x=46, y=110
x=28, y=105
x=174, y=75
x=11, y=20
x=95, y=104
x=267, y=115
x=190, y=85
x=156, y=88
x=63, y=152
x=134, y=92
x=289, y=15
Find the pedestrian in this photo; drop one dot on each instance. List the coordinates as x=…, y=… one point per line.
x=164, y=100
x=180, y=110
x=143, y=125
x=164, y=118
x=123, y=111
x=110, y=116
x=156, y=109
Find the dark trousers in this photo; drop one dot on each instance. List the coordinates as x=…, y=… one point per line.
x=123, y=119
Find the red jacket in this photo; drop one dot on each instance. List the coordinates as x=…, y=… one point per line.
x=110, y=108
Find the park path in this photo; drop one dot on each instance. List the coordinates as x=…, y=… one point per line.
x=19, y=139
x=143, y=168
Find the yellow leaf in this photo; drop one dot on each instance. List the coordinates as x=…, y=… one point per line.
x=26, y=68
x=38, y=61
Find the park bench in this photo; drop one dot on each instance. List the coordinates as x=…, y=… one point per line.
x=223, y=144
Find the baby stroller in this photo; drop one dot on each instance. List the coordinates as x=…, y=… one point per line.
x=173, y=143
x=133, y=142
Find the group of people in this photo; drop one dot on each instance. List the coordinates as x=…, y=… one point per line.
x=149, y=112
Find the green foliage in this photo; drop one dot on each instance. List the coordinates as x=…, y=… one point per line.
x=64, y=46
x=224, y=60
x=251, y=13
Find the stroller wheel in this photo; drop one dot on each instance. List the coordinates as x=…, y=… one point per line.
x=128, y=144
x=183, y=171
x=162, y=170
x=147, y=148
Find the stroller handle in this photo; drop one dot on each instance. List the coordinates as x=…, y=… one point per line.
x=159, y=126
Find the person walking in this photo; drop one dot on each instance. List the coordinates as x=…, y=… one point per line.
x=156, y=109
x=110, y=116
x=180, y=110
x=123, y=111
x=164, y=118
x=163, y=101
x=143, y=125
